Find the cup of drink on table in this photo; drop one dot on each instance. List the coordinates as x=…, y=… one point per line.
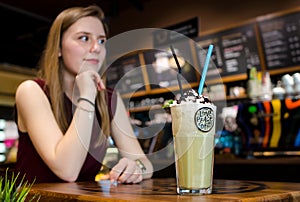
x=193, y=125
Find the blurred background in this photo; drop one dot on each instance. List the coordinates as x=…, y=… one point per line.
x=257, y=87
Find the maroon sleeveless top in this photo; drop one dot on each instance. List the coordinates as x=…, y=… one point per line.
x=30, y=164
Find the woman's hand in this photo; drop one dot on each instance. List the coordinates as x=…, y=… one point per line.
x=126, y=171
x=88, y=83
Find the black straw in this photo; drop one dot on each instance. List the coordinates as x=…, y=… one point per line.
x=179, y=70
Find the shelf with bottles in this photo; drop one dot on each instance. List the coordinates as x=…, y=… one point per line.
x=153, y=101
x=233, y=90
x=237, y=87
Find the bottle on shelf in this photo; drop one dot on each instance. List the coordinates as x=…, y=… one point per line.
x=253, y=83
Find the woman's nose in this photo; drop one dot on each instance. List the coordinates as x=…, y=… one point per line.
x=96, y=47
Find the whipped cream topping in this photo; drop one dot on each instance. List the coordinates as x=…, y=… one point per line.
x=192, y=96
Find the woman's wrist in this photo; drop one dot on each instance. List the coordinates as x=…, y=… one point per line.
x=83, y=99
x=86, y=105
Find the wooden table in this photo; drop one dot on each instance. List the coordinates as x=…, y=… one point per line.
x=165, y=190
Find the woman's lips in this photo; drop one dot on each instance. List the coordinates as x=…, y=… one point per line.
x=92, y=61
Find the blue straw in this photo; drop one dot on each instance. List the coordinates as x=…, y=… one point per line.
x=201, y=85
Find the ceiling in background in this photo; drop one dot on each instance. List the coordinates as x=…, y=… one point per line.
x=25, y=24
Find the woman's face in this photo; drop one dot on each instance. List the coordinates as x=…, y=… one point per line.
x=83, y=45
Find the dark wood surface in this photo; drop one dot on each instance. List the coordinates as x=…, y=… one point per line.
x=165, y=190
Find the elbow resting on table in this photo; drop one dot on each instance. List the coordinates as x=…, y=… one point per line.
x=67, y=175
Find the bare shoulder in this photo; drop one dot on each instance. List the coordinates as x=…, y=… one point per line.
x=27, y=91
x=28, y=86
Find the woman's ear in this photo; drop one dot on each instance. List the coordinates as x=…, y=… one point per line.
x=59, y=52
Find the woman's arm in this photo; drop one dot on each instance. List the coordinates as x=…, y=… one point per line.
x=65, y=153
x=128, y=146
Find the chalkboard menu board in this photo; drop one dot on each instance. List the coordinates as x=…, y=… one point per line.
x=234, y=50
x=125, y=74
x=162, y=69
x=280, y=38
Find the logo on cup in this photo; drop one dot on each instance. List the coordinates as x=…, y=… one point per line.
x=204, y=119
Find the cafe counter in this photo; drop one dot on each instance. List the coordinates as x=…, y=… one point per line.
x=165, y=190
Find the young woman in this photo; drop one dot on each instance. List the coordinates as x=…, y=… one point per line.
x=66, y=115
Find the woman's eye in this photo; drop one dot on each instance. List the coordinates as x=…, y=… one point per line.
x=101, y=41
x=84, y=38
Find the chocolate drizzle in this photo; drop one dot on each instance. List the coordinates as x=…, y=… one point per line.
x=192, y=96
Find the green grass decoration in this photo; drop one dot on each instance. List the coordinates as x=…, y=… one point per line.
x=10, y=191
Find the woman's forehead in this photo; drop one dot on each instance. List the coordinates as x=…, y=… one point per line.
x=88, y=24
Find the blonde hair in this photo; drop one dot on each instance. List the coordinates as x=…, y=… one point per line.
x=51, y=65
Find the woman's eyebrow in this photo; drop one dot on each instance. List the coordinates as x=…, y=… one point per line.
x=88, y=33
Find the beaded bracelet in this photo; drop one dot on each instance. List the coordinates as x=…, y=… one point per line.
x=87, y=100
x=90, y=112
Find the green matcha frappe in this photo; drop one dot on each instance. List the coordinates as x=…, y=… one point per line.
x=193, y=125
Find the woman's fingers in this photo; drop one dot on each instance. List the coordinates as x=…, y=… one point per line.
x=100, y=85
x=135, y=177
x=129, y=174
x=126, y=171
x=85, y=81
x=98, y=81
x=117, y=171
